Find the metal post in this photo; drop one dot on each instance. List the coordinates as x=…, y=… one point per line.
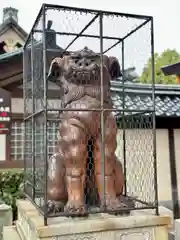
x=174, y=181
x=154, y=117
x=102, y=112
x=124, y=122
x=45, y=112
x=24, y=97
x=33, y=122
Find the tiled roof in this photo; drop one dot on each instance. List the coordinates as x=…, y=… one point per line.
x=138, y=97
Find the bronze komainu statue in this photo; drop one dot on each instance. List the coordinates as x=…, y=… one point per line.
x=79, y=74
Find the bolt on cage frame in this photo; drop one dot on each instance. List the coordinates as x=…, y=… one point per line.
x=29, y=45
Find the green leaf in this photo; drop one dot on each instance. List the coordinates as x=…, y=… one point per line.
x=11, y=188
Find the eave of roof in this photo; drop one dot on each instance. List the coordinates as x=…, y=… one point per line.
x=144, y=88
x=10, y=22
x=172, y=69
x=7, y=56
x=18, y=52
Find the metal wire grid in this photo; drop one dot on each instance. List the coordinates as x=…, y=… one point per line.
x=139, y=163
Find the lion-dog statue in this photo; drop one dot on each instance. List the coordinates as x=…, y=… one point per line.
x=79, y=74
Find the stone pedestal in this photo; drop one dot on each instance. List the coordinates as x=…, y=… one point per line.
x=5, y=217
x=30, y=226
x=177, y=229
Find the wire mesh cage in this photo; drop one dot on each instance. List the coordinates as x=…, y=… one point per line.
x=94, y=151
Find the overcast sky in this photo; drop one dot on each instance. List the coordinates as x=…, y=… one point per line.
x=166, y=15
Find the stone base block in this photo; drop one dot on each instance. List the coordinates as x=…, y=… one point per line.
x=30, y=226
x=10, y=232
x=5, y=217
x=177, y=229
x=163, y=211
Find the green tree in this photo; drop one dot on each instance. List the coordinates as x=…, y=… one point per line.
x=165, y=58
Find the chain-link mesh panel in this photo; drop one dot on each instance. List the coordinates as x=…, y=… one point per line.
x=28, y=154
x=28, y=107
x=136, y=151
x=39, y=160
x=38, y=84
x=52, y=136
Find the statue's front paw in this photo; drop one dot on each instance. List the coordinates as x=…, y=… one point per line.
x=55, y=207
x=75, y=207
x=114, y=204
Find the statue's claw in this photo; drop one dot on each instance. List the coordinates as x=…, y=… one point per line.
x=76, y=208
x=55, y=207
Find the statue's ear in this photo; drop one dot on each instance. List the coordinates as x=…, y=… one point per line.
x=55, y=69
x=114, y=68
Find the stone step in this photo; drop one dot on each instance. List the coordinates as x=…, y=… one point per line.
x=10, y=232
x=20, y=230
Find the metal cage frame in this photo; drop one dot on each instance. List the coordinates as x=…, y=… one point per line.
x=98, y=14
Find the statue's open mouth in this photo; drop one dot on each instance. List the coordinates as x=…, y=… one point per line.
x=84, y=76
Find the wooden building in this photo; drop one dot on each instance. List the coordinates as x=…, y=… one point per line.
x=12, y=38
x=138, y=95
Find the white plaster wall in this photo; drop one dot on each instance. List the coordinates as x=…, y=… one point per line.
x=17, y=105
x=139, y=161
x=177, y=155
x=2, y=147
x=163, y=165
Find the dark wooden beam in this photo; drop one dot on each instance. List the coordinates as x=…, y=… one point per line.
x=173, y=69
x=174, y=184
x=13, y=86
x=18, y=92
x=16, y=78
x=166, y=122
x=17, y=116
x=11, y=164
x=10, y=69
